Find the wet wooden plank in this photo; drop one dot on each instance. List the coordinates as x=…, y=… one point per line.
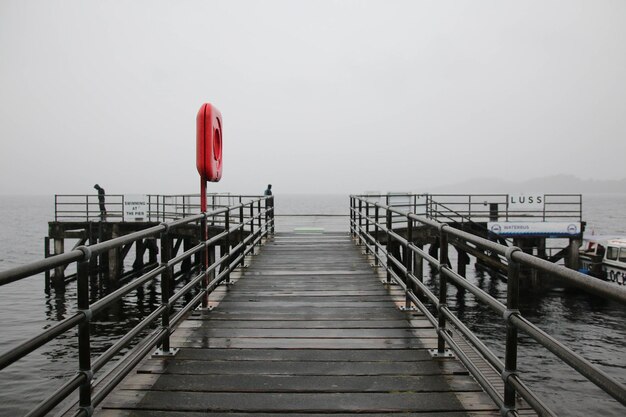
x=173, y=413
x=287, y=402
x=308, y=328
x=299, y=383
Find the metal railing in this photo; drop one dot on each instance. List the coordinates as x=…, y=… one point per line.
x=253, y=221
x=480, y=207
x=367, y=216
x=159, y=208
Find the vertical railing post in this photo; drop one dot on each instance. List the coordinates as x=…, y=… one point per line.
x=84, y=344
x=267, y=216
x=226, y=245
x=367, y=226
x=352, y=217
x=359, y=231
x=56, y=208
x=408, y=261
x=376, y=234
x=87, y=206
x=166, y=279
x=260, y=217
x=241, y=236
x=443, y=288
x=512, y=304
x=272, y=216
x=388, y=226
x=252, y=238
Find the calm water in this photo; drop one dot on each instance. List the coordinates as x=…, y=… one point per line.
x=591, y=326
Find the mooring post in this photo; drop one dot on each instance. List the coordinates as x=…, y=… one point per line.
x=443, y=289
x=376, y=235
x=84, y=344
x=512, y=304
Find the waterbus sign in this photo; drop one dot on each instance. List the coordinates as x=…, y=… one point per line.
x=543, y=229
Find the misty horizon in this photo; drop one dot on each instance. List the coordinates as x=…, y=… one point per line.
x=316, y=97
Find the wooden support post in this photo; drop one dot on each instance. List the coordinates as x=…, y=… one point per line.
x=462, y=261
x=92, y=230
x=418, y=266
x=58, y=280
x=115, y=259
x=140, y=250
x=46, y=254
x=185, y=265
x=433, y=250
x=541, y=248
x=103, y=259
x=153, y=250
x=493, y=212
x=574, y=258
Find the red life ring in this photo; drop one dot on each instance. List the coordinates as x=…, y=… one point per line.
x=209, y=143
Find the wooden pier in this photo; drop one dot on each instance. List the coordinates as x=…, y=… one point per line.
x=308, y=328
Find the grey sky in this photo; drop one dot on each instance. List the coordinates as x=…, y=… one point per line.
x=317, y=96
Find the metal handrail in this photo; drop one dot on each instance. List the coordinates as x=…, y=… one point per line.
x=259, y=222
x=160, y=207
x=556, y=206
x=416, y=292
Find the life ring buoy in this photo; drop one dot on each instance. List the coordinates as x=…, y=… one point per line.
x=209, y=142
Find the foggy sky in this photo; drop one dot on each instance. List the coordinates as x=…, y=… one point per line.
x=316, y=96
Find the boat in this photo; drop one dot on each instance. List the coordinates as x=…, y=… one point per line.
x=605, y=258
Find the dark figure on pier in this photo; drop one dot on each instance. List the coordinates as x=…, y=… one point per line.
x=103, y=210
x=269, y=205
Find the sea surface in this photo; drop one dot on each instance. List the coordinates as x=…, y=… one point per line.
x=593, y=327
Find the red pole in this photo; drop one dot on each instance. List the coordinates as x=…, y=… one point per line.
x=205, y=260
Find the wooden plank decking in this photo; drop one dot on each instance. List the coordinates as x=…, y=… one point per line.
x=308, y=329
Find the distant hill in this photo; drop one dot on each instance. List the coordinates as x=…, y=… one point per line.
x=552, y=184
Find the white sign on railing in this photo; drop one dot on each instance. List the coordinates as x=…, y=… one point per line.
x=547, y=229
x=136, y=208
x=526, y=202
